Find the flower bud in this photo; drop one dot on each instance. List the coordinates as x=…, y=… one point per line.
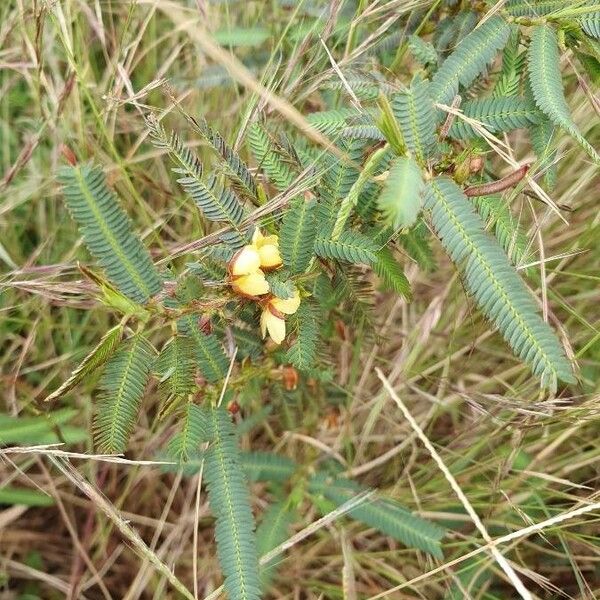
x=290, y=378
x=272, y=319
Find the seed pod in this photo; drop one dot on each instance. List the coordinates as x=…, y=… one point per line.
x=290, y=378
x=498, y=186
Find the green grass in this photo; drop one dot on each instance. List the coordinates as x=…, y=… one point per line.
x=518, y=457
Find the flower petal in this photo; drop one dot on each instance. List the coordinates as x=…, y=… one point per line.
x=246, y=261
x=269, y=256
x=270, y=240
x=288, y=306
x=263, y=323
x=259, y=240
x=253, y=284
x=272, y=324
x=257, y=237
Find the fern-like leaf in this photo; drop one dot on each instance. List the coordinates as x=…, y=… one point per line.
x=591, y=64
x=272, y=531
x=230, y=503
x=351, y=247
x=416, y=244
x=280, y=284
x=175, y=367
x=215, y=202
x=465, y=23
x=209, y=270
x=105, y=348
x=542, y=137
x=469, y=59
x=305, y=325
x=332, y=122
x=297, y=235
x=107, y=232
x=348, y=203
x=265, y=466
x=513, y=64
x=546, y=84
x=391, y=273
x=209, y=354
x=414, y=112
x=248, y=343
x=494, y=283
x=385, y=515
x=338, y=177
x=363, y=132
x=424, y=52
x=533, y=8
x=234, y=167
x=499, y=114
x=590, y=23
x=122, y=387
x=402, y=196
x=278, y=170
x=185, y=444
x=495, y=211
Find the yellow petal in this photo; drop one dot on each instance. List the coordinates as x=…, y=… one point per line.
x=263, y=323
x=269, y=256
x=246, y=261
x=288, y=306
x=270, y=240
x=273, y=325
x=254, y=284
x=257, y=237
x=259, y=240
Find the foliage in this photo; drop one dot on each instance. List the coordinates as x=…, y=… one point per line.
x=401, y=198
x=107, y=232
x=497, y=115
x=383, y=514
x=122, y=387
x=545, y=80
x=471, y=57
x=494, y=283
x=298, y=232
x=298, y=237
x=230, y=503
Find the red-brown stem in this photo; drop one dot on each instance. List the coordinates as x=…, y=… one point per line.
x=498, y=186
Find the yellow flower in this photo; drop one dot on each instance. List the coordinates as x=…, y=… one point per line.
x=253, y=284
x=288, y=306
x=245, y=262
x=268, y=249
x=272, y=324
x=272, y=320
x=247, y=278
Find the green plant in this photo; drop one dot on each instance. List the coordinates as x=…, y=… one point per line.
x=315, y=231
